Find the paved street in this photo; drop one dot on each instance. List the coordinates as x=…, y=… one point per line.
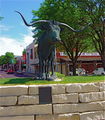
x=5, y=75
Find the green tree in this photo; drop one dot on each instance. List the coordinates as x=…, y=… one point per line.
x=66, y=11
x=74, y=44
x=95, y=12
x=2, y=60
x=9, y=58
x=24, y=51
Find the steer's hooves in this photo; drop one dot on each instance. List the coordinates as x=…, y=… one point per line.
x=52, y=78
x=38, y=78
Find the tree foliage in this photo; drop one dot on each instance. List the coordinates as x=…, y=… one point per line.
x=77, y=14
x=24, y=51
x=8, y=58
x=95, y=10
x=66, y=11
x=2, y=61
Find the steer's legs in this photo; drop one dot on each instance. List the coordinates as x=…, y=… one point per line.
x=47, y=69
x=52, y=67
x=53, y=76
x=41, y=69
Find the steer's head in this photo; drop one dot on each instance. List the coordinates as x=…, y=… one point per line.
x=53, y=32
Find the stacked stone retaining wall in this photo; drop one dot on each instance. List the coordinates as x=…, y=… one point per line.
x=69, y=102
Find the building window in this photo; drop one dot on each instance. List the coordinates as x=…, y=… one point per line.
x=31, y=54
x=35, y=53
x=27, y=58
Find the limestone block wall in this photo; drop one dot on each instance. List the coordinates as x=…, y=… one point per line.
x=69, y=102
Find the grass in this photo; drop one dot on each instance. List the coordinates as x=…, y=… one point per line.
x=65, y=80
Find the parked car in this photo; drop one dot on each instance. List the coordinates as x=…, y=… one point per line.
x=99, y=71
x=19, y=72
x=10, y=71
x=79, y=71
x=5, y=70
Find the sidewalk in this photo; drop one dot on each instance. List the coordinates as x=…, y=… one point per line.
x=4, y=74
x=29, y=74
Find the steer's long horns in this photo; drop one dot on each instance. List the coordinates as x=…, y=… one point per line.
x=24, y=19
x=64, y=24
x=68, y=27
x=39, y=21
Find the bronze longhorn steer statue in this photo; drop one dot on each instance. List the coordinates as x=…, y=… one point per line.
x=46, y=46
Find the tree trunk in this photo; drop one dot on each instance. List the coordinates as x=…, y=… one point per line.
x=2, y=66
x=74, y=68
x=103, y=61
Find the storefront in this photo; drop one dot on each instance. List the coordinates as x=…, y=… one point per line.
x=87, y=61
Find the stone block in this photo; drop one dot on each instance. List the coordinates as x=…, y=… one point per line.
x=25, y=110
x=58, y=117
x=11, y=100
x=69, y=117
x=18, y=118
x=58, y=89
x=65, y=98
x=65, y=108
x=104, y=95
x=33, y=89
x=93, y=106
x=96, y=115
x=81, y=107
x=82, y=88
x=28, y=99
x=45, y=117
x=102, y=86
x=13, y=90
x=91, y=97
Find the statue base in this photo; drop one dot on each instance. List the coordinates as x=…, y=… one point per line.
x=57, y=79
x=48, y=79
